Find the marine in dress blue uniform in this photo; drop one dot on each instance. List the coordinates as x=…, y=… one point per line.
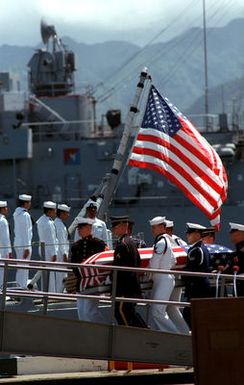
x=198, y=260
x=237, y=238
x=128, y=285
x=85, y=247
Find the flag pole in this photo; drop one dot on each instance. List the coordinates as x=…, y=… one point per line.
x=113, y=176
x=105, y=190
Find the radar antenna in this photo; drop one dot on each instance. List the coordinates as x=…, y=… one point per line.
x=51, y=69
x=47, y=31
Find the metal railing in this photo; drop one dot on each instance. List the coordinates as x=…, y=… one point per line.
x=47, y=267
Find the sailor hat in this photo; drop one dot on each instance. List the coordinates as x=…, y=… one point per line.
x=3, y=204
x=119, y=219
x=25, y=197
x=209, y=230
x=236, y=226
x=49, y=205
x=168, y=223
x=92, y=205
x=64, y=207
x=191, y=227
x=84, y=221
x=157, y=221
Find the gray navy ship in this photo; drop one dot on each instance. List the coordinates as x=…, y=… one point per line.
x=52, y=147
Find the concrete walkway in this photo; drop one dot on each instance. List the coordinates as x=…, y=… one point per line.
x=142, y=377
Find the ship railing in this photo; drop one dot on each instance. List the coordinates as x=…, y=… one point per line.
x=70, y=130
x=62, y=267
x=109, y=297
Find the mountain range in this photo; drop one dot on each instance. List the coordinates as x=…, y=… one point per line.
x=111, y=69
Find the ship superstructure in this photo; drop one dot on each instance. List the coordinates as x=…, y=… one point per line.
x=52, y=147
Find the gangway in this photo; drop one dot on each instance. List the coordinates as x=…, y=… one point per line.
x=28, y=334
x=37, y=333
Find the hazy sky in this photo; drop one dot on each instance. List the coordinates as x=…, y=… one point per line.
x=99, y=20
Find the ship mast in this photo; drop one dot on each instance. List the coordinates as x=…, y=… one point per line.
x=104, y=193
x=205, y=66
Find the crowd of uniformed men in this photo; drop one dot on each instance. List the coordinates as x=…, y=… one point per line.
x=92, y=236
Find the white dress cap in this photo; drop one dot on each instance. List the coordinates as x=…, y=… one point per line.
x=168, y=223
x=194, y=226
x=85, y=221
x=64, y=207
x=236, y=226
x=49, y=205
x=157, y=221
x=3, y=204
x=25, y=197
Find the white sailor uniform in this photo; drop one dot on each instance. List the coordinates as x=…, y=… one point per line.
x=5, y=244
x=174, y=312
x=63, y=249
x=22, y=241
x=47, y=234
x=163, y=284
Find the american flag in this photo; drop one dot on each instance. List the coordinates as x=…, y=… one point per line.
x=168, y=143
x=93, y=277
x=219, y=255
x=213, y=248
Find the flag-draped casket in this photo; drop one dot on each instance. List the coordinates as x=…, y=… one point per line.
x=95, y=277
